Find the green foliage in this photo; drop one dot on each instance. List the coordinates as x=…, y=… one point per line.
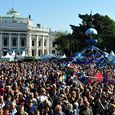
x=104, y=25
x=63, y=42
x=71, y=43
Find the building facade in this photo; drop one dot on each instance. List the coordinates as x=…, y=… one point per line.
x=18, y=34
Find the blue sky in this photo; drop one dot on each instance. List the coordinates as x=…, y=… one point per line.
x=58, y=14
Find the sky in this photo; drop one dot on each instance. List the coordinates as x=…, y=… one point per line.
x=58, y=14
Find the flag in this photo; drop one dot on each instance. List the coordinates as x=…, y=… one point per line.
x=99, y=77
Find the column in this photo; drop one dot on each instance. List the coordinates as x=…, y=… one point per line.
x=18, y=41
x=48, y=45
x=27, y=42
x=37, y=45
x=43, y=46
x=10, y=43
x=29, y=45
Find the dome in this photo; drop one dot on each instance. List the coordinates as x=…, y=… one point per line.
x=91, y=31
x=13, y=12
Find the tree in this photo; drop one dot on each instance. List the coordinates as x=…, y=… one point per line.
x=63, y=42
x=71, y=43
x=104, y=25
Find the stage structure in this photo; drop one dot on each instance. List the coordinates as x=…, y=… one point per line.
x=91, y=54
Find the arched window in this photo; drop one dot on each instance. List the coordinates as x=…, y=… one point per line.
x=14, y=42
x=33, y=52
x=45, y=51
x=53, y=51
x=39, y=43
x=45, y=43
x=22, y=42
x=33, y=43
x=53, y=44
x=39, y=52
x=5, y=42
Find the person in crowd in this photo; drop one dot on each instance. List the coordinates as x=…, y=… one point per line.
x=31, y=108
x=13, y=109
x=42, y=88
x=37, y=112
x=58, y=110
x=85, y=109
x=6, y=110
x=1, y=110
x=21, y=110
x=47, y=110
x=2, y=102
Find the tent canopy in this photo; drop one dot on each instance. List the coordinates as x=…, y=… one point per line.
x=7, y=57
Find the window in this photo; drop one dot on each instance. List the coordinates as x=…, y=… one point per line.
x=5, y=33
x=45, y=43
x=32, y=52
x=39, y=43
x=33, y=43
x=45, y=51
x=53, y=51
x=14, y=34
x=14, y=42
x=39, y=52
x=22, y=42
x=5, y=42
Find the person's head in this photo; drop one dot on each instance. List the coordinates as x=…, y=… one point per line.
x=42, y=91
x=67, y=90
x=58, y=109
x=112, y=101
x=20, y=95
x=100, y=90
x=32, y=95
x=8, y=88
x=112, y=107
x=6, y=110
x=1, y=99
x=88, y=93
x=69, y=107
x=37, y=112
x=47, y=106
x=73, y=94
x=9, y=98
x=21, y=109
x=30, y=104
x=80, y=100
x=13, y=105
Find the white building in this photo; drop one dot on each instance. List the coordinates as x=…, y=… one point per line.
x=18, y=34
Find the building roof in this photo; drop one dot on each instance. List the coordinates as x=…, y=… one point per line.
x=13, y=13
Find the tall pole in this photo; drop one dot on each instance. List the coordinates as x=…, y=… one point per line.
x=1, y=36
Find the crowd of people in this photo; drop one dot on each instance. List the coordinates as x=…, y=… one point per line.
x=48, y=88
